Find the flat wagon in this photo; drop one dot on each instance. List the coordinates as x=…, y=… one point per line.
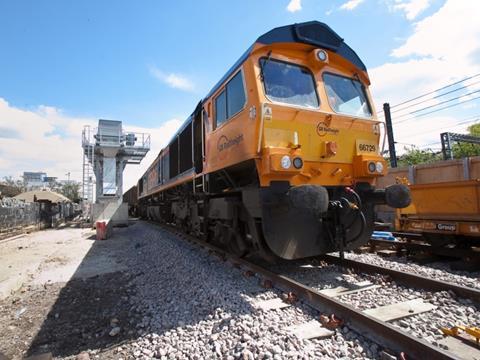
x=445, y=201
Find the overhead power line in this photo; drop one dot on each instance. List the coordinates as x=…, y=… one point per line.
x=477, y=118
x=471, y=117
x=402, y=143
x=438, y=104
x=433, y=91
x=440, y=109
x=435, y=97
x=433, y=143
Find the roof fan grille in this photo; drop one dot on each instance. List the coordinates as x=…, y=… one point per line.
x=318, y=34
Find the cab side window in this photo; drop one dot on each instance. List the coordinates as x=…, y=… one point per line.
x=231, y=100
x=235, y=95
x=221, y=108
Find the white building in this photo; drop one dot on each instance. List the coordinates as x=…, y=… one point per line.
x=37, y=180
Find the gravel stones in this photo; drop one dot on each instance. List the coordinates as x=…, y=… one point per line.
x=115, y=331
x=435, y=270
x=83, y=356
x=176, y=301
x=195, y=306
x=450, y=310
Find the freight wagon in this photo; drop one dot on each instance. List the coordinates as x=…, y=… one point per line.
x=131, y=198
x=445, y=204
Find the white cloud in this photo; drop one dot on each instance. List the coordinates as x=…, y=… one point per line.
x=435, y=54
x=351, y=4
x=45, y=139
x=294, y=5
x=411, y=8
x=173, y=80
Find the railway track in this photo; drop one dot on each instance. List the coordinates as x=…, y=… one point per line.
x=415, y=242
x=381, y=332
x=407, y=279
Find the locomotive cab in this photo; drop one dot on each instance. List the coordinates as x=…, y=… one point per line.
x=319, y=148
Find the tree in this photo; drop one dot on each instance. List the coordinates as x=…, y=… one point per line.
x=415, y=156
x=71, y=190
x=17, y=186
x=463, y=149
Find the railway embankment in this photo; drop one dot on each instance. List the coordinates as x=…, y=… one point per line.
x=146, y=294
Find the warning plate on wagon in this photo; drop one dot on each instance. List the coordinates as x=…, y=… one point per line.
x=366, y=147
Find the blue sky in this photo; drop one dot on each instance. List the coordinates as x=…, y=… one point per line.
x=147, y=63
x=93, y=58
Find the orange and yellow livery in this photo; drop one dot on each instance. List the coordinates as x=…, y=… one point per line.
x=281, y=157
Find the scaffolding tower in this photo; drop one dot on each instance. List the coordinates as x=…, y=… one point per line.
x=88, y=160
x=107, y=149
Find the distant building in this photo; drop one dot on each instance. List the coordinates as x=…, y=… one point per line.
x=37, y=180
x=34, y=180
x=50, y=179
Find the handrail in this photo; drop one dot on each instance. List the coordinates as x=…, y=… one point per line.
x=129, y=139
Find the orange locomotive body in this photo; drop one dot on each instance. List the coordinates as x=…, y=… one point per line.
x=281, y=157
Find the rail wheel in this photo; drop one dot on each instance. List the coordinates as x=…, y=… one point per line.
x=236, y=241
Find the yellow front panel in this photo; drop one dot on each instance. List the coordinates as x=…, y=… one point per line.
x=280, y=133
x=327, y=144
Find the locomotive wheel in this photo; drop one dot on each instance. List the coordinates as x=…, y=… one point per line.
x=236, y=242
x=255, y=233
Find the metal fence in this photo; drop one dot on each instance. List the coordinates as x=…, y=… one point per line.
x=15, y=215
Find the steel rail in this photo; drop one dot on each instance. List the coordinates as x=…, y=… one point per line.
x=407, y=234
x=380, y=332
x=406, y=278
x=442, y=251
x=12, y=238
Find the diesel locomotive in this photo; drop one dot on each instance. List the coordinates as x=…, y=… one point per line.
x=280, y=159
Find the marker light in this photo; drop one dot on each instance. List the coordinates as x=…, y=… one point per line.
x=321, y=55
x=286, y=162
x=379, y=167
x=297, y=163
x=372, y=167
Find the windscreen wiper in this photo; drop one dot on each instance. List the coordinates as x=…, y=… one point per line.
x=265, y=62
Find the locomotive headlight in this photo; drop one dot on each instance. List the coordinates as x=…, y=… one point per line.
x=321, y=55
x=297, y=163
x=379, y=167
x=372, y=167
x=286, y=162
